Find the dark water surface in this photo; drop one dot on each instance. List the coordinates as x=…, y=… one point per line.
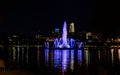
x=86, y=61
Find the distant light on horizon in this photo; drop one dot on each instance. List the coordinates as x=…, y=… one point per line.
x=57, y=30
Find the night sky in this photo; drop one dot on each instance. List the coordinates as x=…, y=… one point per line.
x=28, y=17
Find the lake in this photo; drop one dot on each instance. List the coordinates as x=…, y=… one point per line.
x=84, y=61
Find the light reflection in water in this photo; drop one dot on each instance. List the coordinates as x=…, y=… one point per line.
x=22, y=54
x=14, y=53
x=46, y=55
x=38, y=55
x=18, y=49
x=52, y=57
x=65, y=60
x=112, y=56
x=79, y=55
x=99, y=55
x=86, y=57
x=27, y=54
x=72, y=60
x=57, y=58
x=119, y=54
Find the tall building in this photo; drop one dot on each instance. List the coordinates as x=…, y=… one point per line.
x=88, y=35
x=71, y=28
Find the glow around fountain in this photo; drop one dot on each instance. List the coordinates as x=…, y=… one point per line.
x=64, y=44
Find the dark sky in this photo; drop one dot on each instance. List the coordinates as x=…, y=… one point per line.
x=27, y=17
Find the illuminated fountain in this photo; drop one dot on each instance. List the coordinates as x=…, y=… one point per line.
x=64, y=37
x=64, y=42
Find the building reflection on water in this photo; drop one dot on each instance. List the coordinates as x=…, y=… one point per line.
x=119, y=54
x=112, y=55
x=80, y=57
x=65, y=60
x=46, y=56
x=72, y=60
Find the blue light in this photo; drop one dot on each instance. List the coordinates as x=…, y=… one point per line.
x=80, y=59
x=46, y=55
x=57, y=30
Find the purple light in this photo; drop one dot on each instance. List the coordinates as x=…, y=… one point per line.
x=64, y=37
x=64, y=60
x=46, y=55
x=80, y=60
x=64, y=42
x=57, y=58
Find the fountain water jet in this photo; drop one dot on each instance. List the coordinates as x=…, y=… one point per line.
x=64, y=37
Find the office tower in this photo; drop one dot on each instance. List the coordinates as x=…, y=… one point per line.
x=71, y=28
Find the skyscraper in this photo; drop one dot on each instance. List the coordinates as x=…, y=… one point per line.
x=71, y=28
